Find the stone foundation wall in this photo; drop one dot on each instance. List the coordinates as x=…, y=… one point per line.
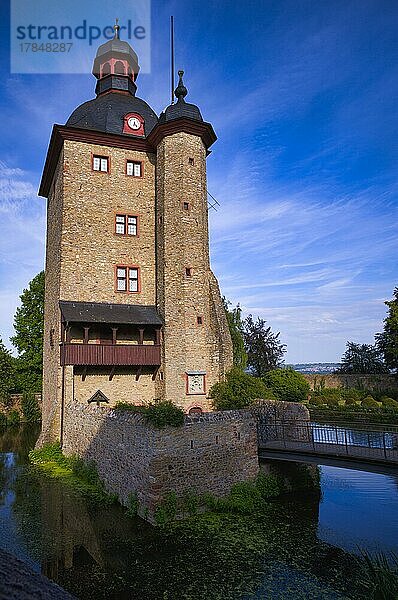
x=209, y=453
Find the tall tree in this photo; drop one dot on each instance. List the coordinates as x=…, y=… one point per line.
x=6, y=373
x=362, y=358
x=28, y=338
x=387, y=341
x=264, y=349
x=235, y=324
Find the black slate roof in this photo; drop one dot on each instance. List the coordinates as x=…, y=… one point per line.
x=98, y=312
x=106, y=113
x=117, y=46
x=180, y=109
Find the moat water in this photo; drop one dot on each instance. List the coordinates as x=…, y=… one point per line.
x=302, y=546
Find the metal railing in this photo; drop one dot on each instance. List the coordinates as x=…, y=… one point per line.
x=331, y=439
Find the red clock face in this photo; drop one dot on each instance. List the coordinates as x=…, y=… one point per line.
x=133, y=124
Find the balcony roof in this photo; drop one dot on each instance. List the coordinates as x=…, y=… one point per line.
x=99, y=312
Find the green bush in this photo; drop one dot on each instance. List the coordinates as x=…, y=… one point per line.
x=316, y=400
x=350, y=401
x=389, y=402
x=243, y=498
x=3, y=420
x=166, y=512
x=164, y=413
x=159, y=413
x=352, y=394
x=288, y=385
x=13, y=418
x=238, y=391
x=30, y=408
x=246, y=497
x=269, y=486
x=331, y=393
x=369, y=402
x=334, y=402
x=190, y=503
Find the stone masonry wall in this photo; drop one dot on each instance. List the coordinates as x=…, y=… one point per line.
x=182, y=242
x=90, y=247
x=369, y=382
x=83, y=250
x=207, y=454
x=52, y=375
x=123, y=387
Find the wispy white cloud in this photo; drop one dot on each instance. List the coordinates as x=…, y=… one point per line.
x=315, y=260
x=22, y=234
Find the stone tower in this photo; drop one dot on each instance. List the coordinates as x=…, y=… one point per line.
x=132, y=309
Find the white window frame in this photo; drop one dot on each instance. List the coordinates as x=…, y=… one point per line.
x=101, y=164
x=134, y=168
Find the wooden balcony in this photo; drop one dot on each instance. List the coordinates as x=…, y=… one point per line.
x=110, y=355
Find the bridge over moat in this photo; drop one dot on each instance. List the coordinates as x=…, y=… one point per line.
x=340, y=443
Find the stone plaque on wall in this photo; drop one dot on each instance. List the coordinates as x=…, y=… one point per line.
x=196, y=382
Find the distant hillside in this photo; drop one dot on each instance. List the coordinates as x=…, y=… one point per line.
x=316, y=368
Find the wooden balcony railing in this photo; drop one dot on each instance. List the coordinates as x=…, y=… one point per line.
x=108, y=355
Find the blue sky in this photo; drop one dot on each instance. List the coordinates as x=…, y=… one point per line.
x=302, y=96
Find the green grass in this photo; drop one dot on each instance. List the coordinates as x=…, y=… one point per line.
x=72, y=471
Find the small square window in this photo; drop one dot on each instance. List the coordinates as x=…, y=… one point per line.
x=126, y=224
x=127, y=279
x=101, y=163
x=191, y=161
x=133, y=168
x=188, y=271
x=200, y=320
x=185, y=205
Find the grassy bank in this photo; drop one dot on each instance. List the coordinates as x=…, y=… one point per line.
x=71, y=471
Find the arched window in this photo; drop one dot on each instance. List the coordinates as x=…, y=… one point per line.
x=106, y=69
x=120, y=69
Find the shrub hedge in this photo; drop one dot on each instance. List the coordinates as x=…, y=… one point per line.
x=160, y=413
x=287, y=385
x=239, y=390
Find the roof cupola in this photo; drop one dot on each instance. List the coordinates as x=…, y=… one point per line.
x=116, y=65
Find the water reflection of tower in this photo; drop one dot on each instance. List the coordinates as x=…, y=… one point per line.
x=68, y=531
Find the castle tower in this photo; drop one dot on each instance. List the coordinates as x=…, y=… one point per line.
x=132, y=309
